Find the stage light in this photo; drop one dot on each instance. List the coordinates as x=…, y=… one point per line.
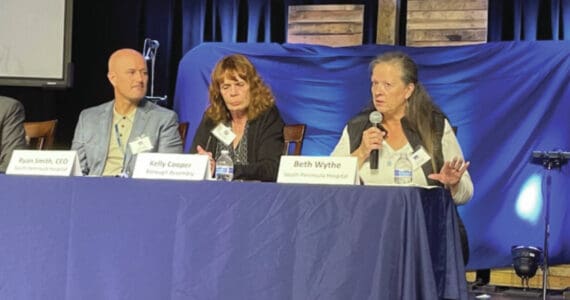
x=526, y=260
x=529, y=201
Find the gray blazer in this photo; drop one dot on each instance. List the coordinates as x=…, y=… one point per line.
x=12, y=135
x=93, y=132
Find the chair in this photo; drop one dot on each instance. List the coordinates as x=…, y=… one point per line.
x=183, y=130
x=40, y=135
x=293, y=134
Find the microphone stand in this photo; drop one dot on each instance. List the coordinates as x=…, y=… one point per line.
x=149, y=51
x=550, y=160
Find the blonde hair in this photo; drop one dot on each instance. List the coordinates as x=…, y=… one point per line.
x=233, y=67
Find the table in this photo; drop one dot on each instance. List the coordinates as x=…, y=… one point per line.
x=115, y=238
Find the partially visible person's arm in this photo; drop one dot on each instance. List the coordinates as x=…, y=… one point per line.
x=170, y=140
x=463, y=191
x=371, y=139
x=13, y=135
x=203, y=143
x=342, y=148
x=78, y=144
x=269, y=148
x=202, y=137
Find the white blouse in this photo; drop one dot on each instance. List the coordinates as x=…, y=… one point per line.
x=388, y=156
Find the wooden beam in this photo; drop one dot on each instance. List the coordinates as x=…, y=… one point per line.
x=414, y=5
x=446, y=22
x=324, y=28
x=388, y=22
x=447, y=35
x=335, y=40
x=332, y=25
x=312, y=16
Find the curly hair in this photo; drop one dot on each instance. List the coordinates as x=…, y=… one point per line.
x=233, y=67
x=420, y=107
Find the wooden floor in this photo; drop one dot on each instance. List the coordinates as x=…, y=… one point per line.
x=558, y=278
x=504, y=293
x=505, y=284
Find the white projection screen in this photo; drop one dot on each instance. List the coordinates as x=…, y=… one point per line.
x=35, y=43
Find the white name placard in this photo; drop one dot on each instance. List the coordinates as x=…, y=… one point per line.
x=172, y=166
x=317, y=170
x=44, y=162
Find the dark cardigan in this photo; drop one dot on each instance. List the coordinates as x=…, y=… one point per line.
x=360, y=123
x=264, y=145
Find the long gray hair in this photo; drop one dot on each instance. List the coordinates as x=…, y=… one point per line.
x=420, y=107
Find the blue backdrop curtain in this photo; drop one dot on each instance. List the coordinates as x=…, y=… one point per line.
x=100, y=27
x=263, y=21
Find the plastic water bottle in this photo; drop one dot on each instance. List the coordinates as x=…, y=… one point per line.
x=403, y=170
x=224, y=167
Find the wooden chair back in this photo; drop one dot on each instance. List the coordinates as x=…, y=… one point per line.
x=293, y=134
x=40, y=135
x=183, y=130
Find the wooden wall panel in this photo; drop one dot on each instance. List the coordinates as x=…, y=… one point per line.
x=331, y=25
x=446, y=22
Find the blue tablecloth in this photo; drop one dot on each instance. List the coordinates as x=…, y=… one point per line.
x=112, y=238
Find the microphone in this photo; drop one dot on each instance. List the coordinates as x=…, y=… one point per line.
x=375, y=118
x=550, y=159
x=208, y=142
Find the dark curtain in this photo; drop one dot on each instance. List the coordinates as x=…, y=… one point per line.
x=100, y=27
x=529, y=20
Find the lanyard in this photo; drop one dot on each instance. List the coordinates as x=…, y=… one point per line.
x=117, y=136
x=124, y=173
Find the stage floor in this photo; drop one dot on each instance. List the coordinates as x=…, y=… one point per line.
x=507, y=293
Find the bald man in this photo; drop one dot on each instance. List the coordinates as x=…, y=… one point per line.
x=109, y=136
x=12, y=134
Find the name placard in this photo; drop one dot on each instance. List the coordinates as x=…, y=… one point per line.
x=172, y=166
x=318, y=170
x=44, y=162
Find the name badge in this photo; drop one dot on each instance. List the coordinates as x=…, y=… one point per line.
x=45, y=162
x=318, y=170
x=172, y=166
x=224, y=134
x=419, y=157
x=141, y=144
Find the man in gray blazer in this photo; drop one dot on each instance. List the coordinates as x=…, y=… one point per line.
x=12, y=134
x=109, y=136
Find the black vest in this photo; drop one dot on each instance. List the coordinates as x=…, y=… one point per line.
x=360, y=122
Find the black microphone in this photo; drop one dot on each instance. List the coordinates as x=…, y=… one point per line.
x=375, y=118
